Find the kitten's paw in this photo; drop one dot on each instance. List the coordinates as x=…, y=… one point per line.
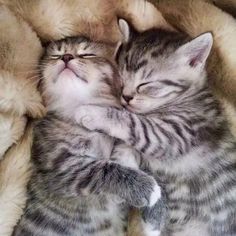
x=148, y=229
x=155, y=195
x=146, y=192
x=84, y=117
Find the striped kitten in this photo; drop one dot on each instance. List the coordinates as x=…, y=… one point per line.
x=75, y=185
x=173, y=118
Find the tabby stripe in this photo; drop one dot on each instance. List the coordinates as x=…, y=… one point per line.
x=226, y=204
x=176, y=128
x=172, y=83
x=102, y=227
x=133, y=127
x=164, y=132
x=170, y=93
x=140, y=65
x=153, y=130
x=148, y=75
x=23, y=232
x=85, y=179
x=146, y=137
x=43, y=221
x=61, y=158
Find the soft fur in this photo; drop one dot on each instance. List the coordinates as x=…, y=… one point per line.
x=194, y=17
x=226, y=5
x=178, y=126
x=14, y=174
x=56, y=19
x=18, y=97
x=20, y=50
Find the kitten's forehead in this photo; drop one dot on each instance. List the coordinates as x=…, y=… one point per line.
x=75, y=45
x=148, y=47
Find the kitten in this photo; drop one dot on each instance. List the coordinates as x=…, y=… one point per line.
x=174, y=120
x=75, y=184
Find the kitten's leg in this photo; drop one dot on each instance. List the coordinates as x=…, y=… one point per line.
x=152, y=136
x=224, y=222
x=126, y=156
x=76, y=175
x=191, y=227
x=153, y=218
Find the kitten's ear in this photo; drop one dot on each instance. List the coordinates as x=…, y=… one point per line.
x=125, y=30
x=197, y=50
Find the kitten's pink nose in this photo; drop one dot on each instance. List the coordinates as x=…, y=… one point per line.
x=67, y=57
x=127, y=98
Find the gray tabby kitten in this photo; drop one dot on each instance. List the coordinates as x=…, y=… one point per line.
x=172, y=117
x=75, y=184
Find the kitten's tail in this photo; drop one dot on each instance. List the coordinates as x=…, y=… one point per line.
x=197, y=16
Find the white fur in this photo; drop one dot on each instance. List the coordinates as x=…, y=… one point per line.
x=155, y=196
x=148, y=230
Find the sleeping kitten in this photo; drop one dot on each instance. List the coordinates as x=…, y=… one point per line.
x=173, y=118
x=75, y=185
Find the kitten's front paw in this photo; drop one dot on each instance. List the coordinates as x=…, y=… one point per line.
x=149, y=230
x=155, y=195
x=146, y=192
x=84, y=116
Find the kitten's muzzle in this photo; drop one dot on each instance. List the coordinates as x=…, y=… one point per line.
x=127, y=98
x=67, y=57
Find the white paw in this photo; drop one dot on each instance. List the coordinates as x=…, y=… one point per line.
x=155, y=196
x=149, y=231
x=83, y=116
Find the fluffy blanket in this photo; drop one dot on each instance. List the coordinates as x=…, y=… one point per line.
x=25, y=24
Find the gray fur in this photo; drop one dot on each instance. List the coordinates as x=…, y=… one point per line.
x=76, y=189
x=175, y=121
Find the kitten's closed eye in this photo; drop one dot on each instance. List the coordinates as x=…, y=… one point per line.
x=84, y=56
x=87, y=55
x=55, y=57
x=142, y=86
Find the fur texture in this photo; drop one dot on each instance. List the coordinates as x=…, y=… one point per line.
x=14, y=174
x=174, y=120
x=56, y=19
x=226, y=5
x=20, y=50
x=195, y=17
x=75, y=178
x=18, y=97
x=205, y=17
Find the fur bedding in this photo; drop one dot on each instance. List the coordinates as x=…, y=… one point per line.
x=24, y=24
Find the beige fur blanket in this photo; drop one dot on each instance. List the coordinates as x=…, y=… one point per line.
x=24, y=24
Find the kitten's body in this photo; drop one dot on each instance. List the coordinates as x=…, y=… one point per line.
x=76, y=188
x=53, y=208
x=178, y=126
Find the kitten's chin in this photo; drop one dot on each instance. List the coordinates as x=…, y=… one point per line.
x=136, y=110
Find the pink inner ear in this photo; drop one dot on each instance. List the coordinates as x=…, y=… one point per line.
x=198, y=57
x=194, y=61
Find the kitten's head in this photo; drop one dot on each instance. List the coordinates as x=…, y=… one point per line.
x=76, y=71
x=158, y=66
